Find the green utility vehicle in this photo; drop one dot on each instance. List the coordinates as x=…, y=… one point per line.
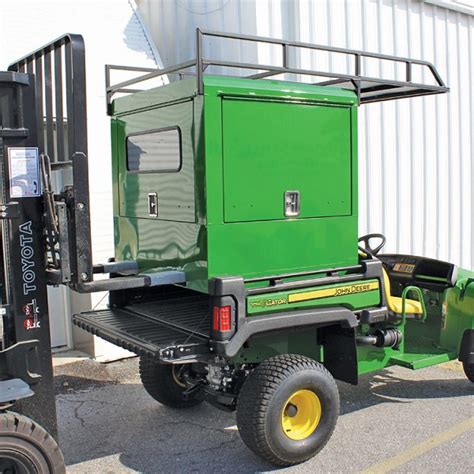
x=238, y=275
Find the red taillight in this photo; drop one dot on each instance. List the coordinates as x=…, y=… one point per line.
x=222, y=318
x=225, y=317
x=215, y=319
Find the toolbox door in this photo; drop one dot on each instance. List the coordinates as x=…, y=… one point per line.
x=156, y=164
x=285, y=160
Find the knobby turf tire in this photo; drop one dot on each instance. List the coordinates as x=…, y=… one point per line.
x=25, y=442
x=468, y=370
x=260, y=403
x=158, y=381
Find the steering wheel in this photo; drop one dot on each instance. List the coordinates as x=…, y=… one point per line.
x=365, y=239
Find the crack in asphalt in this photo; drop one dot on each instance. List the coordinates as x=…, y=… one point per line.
x=76, y=413
x=82, y=421
x=165, y=423
x=91, y=400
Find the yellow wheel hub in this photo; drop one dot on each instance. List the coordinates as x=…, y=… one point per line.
x=301, y=414
x=176, y=378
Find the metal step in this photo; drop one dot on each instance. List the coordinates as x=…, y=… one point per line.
x=166, y=330
x=418, y=360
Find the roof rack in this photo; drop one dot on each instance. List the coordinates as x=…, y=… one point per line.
x=368, y=89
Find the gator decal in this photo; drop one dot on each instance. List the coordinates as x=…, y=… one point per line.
x=337, y=291
x=268, y=302
x=357, y=295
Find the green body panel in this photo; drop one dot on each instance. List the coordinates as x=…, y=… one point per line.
x=271, y=147
x=370, y=358
x=175, y=191
x=458, y=313
x=281, y=301
x=266, y=242
x=177, y=238
x=280, y=246
x=217, y=216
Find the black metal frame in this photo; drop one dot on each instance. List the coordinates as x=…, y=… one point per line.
x=26, y=346
x=62, y=136
x=368, y=89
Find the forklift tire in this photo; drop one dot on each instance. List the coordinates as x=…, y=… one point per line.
x=287, y=409
x=26, y=448
x=162, y=383
x=468, y=370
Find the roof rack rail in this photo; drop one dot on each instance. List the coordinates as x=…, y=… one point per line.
x=368, y=89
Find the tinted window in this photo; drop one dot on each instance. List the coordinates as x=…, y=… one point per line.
x=154, y=151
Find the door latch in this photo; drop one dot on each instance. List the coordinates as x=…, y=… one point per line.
x=292, y=203
x=153, y=205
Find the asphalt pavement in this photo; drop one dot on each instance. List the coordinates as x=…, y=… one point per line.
x=393, y=421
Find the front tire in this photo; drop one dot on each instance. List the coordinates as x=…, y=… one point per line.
x=287, y=409
x=26, y=448
x=162, y=382
x=468, y=370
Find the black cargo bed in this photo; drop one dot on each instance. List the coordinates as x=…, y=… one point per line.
x=165, y=329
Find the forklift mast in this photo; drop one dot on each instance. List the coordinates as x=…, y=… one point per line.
x=60, y=84
x=25, y=339
x=43, y=141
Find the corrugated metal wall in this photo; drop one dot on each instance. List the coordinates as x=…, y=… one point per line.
x=416, y=156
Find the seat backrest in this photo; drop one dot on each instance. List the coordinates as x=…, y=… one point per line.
x=388, y=290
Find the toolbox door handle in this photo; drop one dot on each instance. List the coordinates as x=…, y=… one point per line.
x=153, y=204
x=292, y=203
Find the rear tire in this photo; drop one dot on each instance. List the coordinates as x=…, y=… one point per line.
x=26, y=448
x=468, y=370
x=287, y=409
x=162, y=382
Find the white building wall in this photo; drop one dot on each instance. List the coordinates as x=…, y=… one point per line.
x=416, y=156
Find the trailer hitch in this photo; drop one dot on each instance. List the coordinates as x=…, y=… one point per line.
x=195, y=390
x=185, y=352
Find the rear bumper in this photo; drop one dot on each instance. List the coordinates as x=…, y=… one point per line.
x=286, y=320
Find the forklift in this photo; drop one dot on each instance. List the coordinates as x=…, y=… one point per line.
x=238, y=276
x=28, y=427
